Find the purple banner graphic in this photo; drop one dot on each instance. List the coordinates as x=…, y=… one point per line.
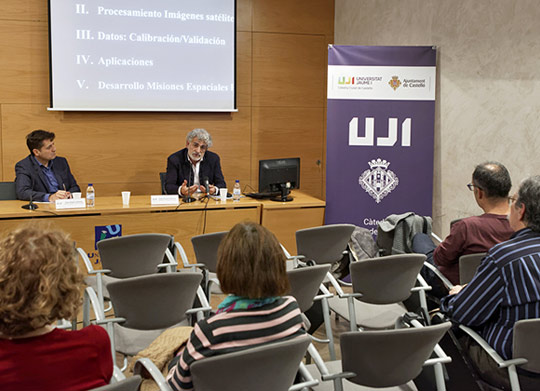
x=381, y=114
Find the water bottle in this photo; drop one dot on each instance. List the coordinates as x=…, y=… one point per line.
x=90, y=196
x=236, y=191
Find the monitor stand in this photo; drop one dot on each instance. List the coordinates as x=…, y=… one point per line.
x=284, y=197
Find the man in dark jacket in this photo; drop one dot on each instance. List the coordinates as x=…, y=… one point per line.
x=188, y=168
x=43, y=176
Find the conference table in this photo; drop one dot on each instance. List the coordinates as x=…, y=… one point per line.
x=109, y=218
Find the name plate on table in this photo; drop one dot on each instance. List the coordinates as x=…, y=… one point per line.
x=70, y=203
x=164, y=200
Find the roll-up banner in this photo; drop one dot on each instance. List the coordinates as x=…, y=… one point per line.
x=380, y=125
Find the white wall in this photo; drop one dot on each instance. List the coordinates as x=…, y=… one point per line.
x=488, y=98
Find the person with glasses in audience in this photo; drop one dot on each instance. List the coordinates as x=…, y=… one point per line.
x=188, y=168
x=40, y=283
x=490, y=185
x=251, y=269
x=505, y=289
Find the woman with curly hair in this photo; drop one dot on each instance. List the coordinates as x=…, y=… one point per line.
x=39, y=284
x=251, y=269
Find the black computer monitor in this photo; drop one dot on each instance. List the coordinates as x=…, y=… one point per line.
x=279, y=176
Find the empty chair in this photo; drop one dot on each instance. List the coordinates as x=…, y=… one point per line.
x=163, y=182
x=205, y=247
x=324, y=244
x=526, y=354
x=383, y=358
x=305, y=284
x=128, y=256
x=145, y=306
x=130, y=384
x=379, y=287
x=468, y=264
x=7, y=191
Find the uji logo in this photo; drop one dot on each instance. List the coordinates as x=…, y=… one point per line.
x=345, y=80
x=106, y=232
x=394, y=83
x=379, y=181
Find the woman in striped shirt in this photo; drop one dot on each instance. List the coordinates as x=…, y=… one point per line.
x=251, y=269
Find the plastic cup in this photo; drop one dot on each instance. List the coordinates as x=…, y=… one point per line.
x=223, y=194
x=125, y=197
x=76, y=195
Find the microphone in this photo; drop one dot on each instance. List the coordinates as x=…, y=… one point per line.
x=30, y=205
x=206, y=186
x=188, y=197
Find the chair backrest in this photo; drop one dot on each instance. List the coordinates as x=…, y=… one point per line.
x=7, y=191
x=305, y=282
x=163, y=182
x=324, y=244
x=468, y=264
x=387, y=279
x=387, y=358
x=133, y=255
x=525, y=343
x=271, y=367
x=155, y=301
x=206, y=246
x=130, y=384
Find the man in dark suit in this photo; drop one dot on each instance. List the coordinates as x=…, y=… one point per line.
x=42, y=176
x=188, y=168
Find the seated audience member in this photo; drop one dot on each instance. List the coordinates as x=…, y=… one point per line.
x=39, y=284
x=187, y=168
x=43, y=176
x=490, y=184
x=505, y=289
x=251, y=269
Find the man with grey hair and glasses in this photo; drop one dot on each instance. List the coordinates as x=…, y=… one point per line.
x=189, y=168
x=505, y=289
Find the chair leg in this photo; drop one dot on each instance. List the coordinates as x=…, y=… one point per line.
x=86, y=310
x=110, y=330
x=439, y=377
x=328, y=328
x=352, y=314
x=514, y=380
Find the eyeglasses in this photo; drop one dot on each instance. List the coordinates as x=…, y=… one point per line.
x=512, y=199
x=471, y=186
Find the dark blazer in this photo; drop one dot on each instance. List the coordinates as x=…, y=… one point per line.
x=30, y=179
x=179, y=169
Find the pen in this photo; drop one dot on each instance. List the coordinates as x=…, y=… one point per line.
x=64, y=186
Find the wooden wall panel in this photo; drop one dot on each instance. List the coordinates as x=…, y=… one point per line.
x=289, y=71
x=286, y=16
x=280, y=132
x=125, y=147
x=244, y=15
x=243, y=69
x=34, y=10
x=24, y=64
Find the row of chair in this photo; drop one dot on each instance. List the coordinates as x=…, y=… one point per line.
x=374, y=282
x=305, y=294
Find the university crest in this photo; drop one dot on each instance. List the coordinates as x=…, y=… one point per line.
x=379, y=181
x=394, y=83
